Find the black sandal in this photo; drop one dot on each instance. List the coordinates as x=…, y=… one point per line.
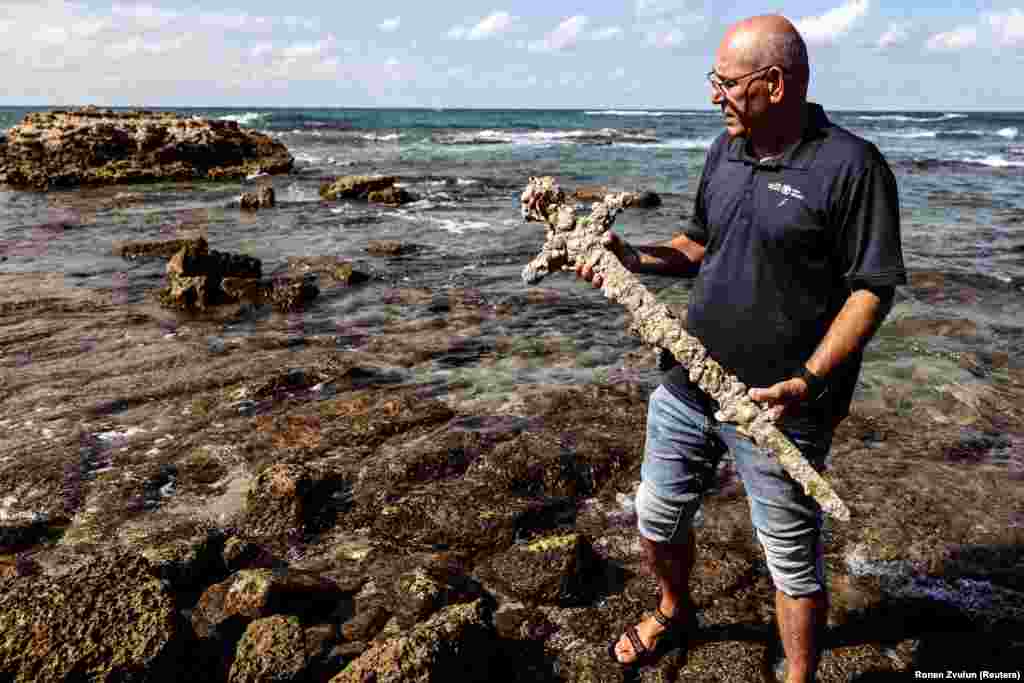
x=675, y=634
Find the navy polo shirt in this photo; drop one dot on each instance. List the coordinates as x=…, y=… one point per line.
x=787, y=241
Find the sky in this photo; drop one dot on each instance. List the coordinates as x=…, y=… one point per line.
x=644, y=54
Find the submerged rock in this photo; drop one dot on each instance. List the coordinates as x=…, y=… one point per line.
x=264, y=198
x=377, y=189
x=392, y=196
x=90, y=146
x=158, y=249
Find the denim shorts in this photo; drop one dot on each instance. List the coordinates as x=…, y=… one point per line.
x=683, y=449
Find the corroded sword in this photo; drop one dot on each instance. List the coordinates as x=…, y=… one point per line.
x=573, y=239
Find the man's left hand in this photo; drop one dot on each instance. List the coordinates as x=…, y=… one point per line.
x=781, y=398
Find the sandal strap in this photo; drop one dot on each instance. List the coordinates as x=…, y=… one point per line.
x=676, y=621
x=634, y=638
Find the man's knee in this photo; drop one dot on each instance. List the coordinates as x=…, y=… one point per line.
x=795, y=563
x=664, y=520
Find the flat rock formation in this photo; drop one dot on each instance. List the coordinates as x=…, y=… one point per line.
x=90, y=146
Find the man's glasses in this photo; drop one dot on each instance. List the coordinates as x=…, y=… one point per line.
x=723, y=84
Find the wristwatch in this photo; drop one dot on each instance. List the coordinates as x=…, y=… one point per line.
x=816, y=386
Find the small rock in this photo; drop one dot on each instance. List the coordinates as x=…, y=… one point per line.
x=387, y=248
x=645, y=200
x=271, y=649
x=392, y=196
x=356, y=186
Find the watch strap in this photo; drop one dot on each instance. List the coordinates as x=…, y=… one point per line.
x=816, y=386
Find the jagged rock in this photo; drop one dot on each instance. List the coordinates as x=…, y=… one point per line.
x=264, y=198
x=644, y=200
x=392, y=196
x=160, y=249
x=108, y=621
x=387, y=248
x=590, y=194
x=555, y=569
x=256, y=593
x=370, y=617
x=15, y=537
x=271, y=649
x=457, y=643
x=195, y=275
x=356, y=186
x=430, y=586
x=186, y=555
x=240, y=554
x=287, y=500
x=289, y=294
x=331, y=267
x=89, y=146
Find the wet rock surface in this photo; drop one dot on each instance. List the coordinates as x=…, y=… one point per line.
x=281, y=497
x=374, y=189
x=90, y=146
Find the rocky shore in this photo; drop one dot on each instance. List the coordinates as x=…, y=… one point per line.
x=279, y=507
x=90, y=146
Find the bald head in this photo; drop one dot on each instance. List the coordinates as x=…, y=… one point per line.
x=767, y=40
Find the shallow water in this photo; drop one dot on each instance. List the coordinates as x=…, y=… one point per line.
x=961, y=178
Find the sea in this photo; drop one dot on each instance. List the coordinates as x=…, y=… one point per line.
x=960, y=176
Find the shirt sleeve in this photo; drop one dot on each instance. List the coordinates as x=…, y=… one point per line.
x=870, y=250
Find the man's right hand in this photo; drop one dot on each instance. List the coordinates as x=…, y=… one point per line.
x=628, y=256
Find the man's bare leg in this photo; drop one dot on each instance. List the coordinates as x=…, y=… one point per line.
x=801, y=623
x=671, y=564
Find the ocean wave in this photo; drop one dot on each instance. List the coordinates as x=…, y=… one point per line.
x=909, y=134
x=642, y=112
x=603, y=136
x=917, y=119
x=249, y=118
x=992, y=161
x=1010, y=132
x=373, y=137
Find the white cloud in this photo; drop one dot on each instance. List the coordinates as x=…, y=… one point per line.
x=390, y=25
x=896, y=35
x=606, y=33
x=491, y=25
x=670, y=23
x=565, y=36
x=959, y=38
x=1008, y=28
x=826, y=28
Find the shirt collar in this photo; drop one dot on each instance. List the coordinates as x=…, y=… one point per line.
x=798, y=155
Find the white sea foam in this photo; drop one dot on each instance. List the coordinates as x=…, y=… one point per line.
x=911, y=134
x=1010, y=132
x=997, y=162
x=307, y=158
x=373, y=137
x=249, y=118
x=643, y=112
x=547, y=137
x=901, y=117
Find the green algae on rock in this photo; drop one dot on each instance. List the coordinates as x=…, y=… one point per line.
x=108, y=621
x=271, y=649
x=456, y=644
x=89, y=146
x=573, y=239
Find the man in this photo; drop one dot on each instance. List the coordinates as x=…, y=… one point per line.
x=796, y=249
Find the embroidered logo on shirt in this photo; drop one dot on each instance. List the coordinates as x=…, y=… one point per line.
x=786, y=191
